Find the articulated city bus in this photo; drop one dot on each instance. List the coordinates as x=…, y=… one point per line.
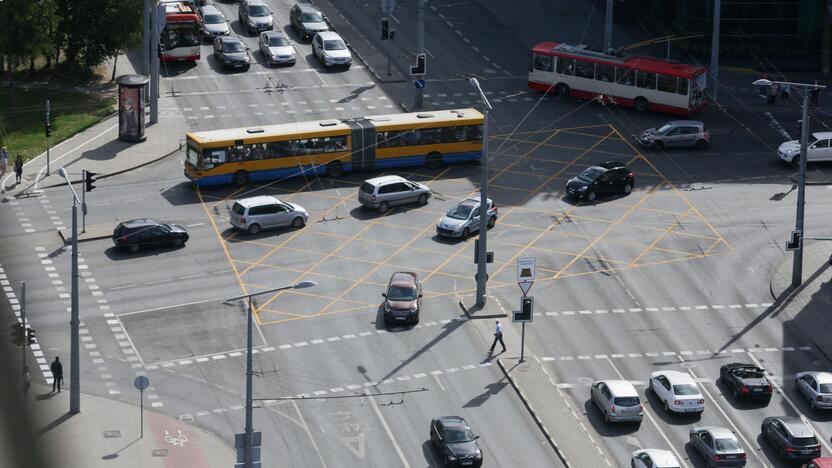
x=645, y=83
x=333, y=147
x=180, y=38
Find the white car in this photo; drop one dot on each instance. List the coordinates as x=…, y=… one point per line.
x=331, y=50
x=816, y=387
x=276, y=48
x=819, y=148
x=678, y=391
x=266, y=212
x=653, y=458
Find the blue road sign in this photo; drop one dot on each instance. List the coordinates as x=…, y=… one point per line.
x=419, y=84
x=141, y=383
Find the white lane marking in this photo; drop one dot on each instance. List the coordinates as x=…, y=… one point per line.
x=389, y=432
x=436, y=377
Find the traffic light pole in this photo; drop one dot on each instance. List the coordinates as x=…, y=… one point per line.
x=75, y=355
x=23, y=319
x=84, y=201
x=420, y=46
x=48, y=132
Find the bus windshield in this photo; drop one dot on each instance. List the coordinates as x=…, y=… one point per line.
x=180, y=35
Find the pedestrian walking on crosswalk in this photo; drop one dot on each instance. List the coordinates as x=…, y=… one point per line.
x=498, y=336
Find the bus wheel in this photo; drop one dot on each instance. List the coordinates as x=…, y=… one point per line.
x=642, y=105
x=561, y=90
x=434, y=160
x=334, y=169
x=240, y=178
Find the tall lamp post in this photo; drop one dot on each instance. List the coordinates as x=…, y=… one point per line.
x=481, y=254
x=797, y=265
x=249, y=416
x=74, y=354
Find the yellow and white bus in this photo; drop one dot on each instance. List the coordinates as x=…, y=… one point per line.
x=332, y=147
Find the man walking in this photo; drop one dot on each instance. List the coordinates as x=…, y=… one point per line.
x=57, y=374
x=498, y=336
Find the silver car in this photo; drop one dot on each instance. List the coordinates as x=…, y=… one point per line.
x=331, y=50
x=213, y=22
x=464, y=218
x=676, y=133
x=618, y=400
x=383, y=192
x=276, y=48
x=816, y=387
x=719, y=446
x=266, y=212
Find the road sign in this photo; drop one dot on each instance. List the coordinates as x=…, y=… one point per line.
x=141, y=383
x=526, y=312
x=796, y=240
x=525, y=269
x=419, y=83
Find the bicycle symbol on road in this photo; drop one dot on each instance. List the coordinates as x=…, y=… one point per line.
x=178, y=440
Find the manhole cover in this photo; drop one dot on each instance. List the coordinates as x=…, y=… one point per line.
x=186, y=418
x=159, y=452
x=112, y=434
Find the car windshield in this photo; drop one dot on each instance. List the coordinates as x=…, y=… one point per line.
x=166, y=227
x=811, y=140
x=213, y=19
x=458, y=435
x=804, y=441
x=278, y=41
x=334, y=45
x=749, y=373
x=233, y=47
x=664, y=128
x=313, y=17
x=685, y=389
x=401, y=293
x=627, y=401
x=825, y=388
x=258, y=10
x=590, y=174
x=726, y=445
x=460, y=212
x=238, y=209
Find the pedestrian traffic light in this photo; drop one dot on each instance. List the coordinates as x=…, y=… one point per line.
x=421, y=65
x=89, y=178
x=30, y=336
x=385, y=29
x=48, y=127
x=17, y=334
x=526, y=310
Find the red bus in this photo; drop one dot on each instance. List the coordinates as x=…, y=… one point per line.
x=645, y=83
x=180, y=39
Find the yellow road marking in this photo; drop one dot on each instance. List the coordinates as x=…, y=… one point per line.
x=658, y=239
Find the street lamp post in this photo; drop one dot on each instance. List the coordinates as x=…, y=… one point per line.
x=249, y=413
x=797, y=264
x=481, y=253
x=74, y=354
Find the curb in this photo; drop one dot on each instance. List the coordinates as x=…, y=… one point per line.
x=537, y=420
x=474, y=317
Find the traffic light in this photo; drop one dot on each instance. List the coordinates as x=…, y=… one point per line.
x=385, y=29
x=89, y=178
x=48, y=127
x=526, y=309
x=17, y=334
x=30, y=336
x=421, y=66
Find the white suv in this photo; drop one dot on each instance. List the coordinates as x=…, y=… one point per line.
x=819, y=148
x=265, y=212
x=678, y=391
x=331, y=50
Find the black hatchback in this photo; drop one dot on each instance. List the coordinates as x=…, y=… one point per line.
x=609, y=178
x=146, y=232
x=455, y=441
x=793, y=438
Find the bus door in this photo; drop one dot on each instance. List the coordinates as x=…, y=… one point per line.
x=363, y=144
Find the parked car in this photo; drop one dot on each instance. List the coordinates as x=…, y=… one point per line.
x=819, y=148
x=212, y=22
x=718, y=446
x=383, y=192
x=276, y=48
x=307, y=20
x=231, y=52
x=403, y=298
x=677, y=391
x=653, y=458
x=816, y=387
x=331, y=50
x=617, y=400
x=455, y=441
x=464, y=218
x=745, y=380
x=146, y=232
x=255, y=16
x=266, y=212
x=605, y=179
x=793, y=438
x=676, y=133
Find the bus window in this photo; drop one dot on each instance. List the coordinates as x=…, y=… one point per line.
x=646, y=80
x=566, y=66
x=192, y=154
x=214, y=157
x=683, y=87
x=666, y=83
x=584, y=69
x=474, y=133
x=543, y=62
x=624, y=76
x=604, y=72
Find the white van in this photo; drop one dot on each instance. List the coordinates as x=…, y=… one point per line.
x=266, y=212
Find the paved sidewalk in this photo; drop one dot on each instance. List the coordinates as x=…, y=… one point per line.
x=106, y=434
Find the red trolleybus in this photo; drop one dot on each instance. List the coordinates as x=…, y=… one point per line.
x=645, y=83
x=180, y=38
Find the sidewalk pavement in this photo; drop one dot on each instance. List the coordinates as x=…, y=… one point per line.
x=106, y=433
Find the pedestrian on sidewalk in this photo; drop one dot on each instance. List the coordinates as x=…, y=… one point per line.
x=57, y=374
x=813, y=94
x=772, y=93
x=784, y=94
x=27, y=383
x=18, y=168
x=4, y=161
x=498, y=336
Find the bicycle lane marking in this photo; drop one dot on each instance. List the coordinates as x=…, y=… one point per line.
x=184, y=448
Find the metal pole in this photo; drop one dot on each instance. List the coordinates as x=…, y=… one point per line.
x=146, y=38
x=420, y=46
x=249, y=415
x=75, y=356
x=84, y=200
x=141, y=414
x=608, y=26
x=715, y=50
x=522, y=341
x=154, y=66
x=389, y=41
x=47, y=137
x=23, y=318
x=797, y=266
x=481, y=255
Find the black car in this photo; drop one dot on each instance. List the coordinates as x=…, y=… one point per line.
x=745, y=380
x=455, y=441
x=307, y=20
x=231, y=52
x=609, y=178
x=146, y=232
x=792, y=437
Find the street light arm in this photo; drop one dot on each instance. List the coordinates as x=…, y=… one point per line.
x=765, y=82
x=62, y=173
x=301, y=285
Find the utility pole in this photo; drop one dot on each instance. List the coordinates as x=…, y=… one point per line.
x=23, y=319
x=420, y=46
x=715, y=51
x=482, y=270
x=74, y=320
x=146, y=37
x=154, y=65
x=608, y=26
x=797, y=261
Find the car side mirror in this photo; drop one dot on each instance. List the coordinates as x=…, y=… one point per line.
x=420, y=294
x=325, y=18
x=383, y=294
x=476, y=437
x=248, y=48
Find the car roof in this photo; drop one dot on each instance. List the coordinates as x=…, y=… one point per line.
x=452, y=421
x=140, y=222
x=660, y=457
x=255, y=2
x=621, y=388
x=822, y=135
x=306, y=7
x=717, y=432
x=795, y=426
x=821, y=377
x=273, y=33
x=258, y=201
x=403, y=278
x=681, y=123
x=611, y=165
x=472, y=201
x=230, y=39
x=385, y=180
x=329, y=35
x=740, y=365
x=676, y=377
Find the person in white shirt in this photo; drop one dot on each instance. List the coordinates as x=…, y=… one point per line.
x=498, y=336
